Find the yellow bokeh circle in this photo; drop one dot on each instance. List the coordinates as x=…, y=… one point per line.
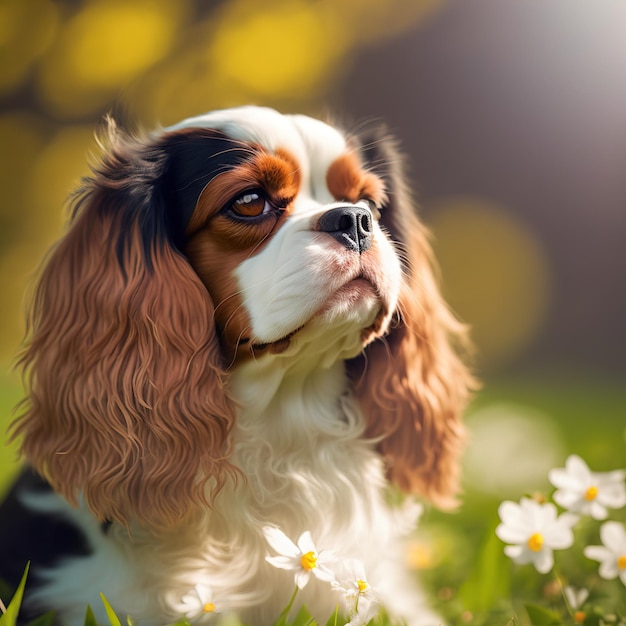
x=281, y=48
x=102, y=48
x=496, y=275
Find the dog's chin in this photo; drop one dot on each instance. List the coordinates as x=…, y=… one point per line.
x=355, y=301
x=354, y=310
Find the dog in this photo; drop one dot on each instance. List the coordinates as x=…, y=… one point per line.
x=240, y=333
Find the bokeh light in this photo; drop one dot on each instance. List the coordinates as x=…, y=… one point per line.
x=511, y=449
x=496, y=275
x=27, y=29
x=54, y=174
x=103, y=47
x=285, y=48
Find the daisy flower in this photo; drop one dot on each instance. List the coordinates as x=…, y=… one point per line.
x=198, y=603
x=362, y=599
x=582, y=491
x=575, y=599
x=301, y=558
x=611, y=555
x=534, y=531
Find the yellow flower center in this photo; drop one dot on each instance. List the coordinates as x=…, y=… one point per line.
x=621, y=562
x=535, y=542
x=308, y=561
x=579, y=617
x=362, y=585
x=591, y=493
x=209, y=607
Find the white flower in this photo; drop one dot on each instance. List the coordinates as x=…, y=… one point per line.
x=576, y=597
x=362, y=599
x=580, y=490
x=303, y=558
x=611, y=555
x=198, y=603
x=534, y=530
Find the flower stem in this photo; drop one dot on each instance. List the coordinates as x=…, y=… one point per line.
x=559, y=580
x=283, y=615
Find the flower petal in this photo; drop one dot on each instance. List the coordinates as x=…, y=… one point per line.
x=597, y=511
x=302, y=578
x=608, y=569
x=511, y=514
x=280, y=542
x=305, y=543
x=575, y=598
x=517, y=553
x=559, y=538
x=613, y=496
x=509, y=534
x=323, y=573
x=205, y=593
x=577, y=468
x=613, y=536
x=548, y=514
x=283, y=562
x=537, y=515
x=568, y=520
x=568, y=498
x=544, y=560
x=562, y=479
x=598, y=553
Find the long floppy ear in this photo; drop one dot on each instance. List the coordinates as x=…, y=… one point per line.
x=413, y=384
x=126, y=405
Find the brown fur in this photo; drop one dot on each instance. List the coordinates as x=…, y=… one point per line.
x=347, y=180
x=127, y=398
x=413, y=386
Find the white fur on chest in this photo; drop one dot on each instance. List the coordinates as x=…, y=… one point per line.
x=298, y=441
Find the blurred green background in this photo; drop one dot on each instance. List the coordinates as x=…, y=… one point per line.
x=512, y=116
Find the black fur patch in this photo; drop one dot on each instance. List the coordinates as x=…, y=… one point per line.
x=27, y=535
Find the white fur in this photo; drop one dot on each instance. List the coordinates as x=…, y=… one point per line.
x=298, y=436
x=298, y=440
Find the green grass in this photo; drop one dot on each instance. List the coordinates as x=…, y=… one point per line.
x=10, y=395
x=474, y=582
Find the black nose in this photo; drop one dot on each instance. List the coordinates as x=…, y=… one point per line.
x=350, y=225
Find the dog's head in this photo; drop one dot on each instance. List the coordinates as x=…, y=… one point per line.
x=241, y=234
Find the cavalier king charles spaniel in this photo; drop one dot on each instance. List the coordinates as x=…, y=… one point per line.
x=240, y=335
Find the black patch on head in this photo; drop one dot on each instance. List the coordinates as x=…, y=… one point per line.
x=156, y=183
x=194, y=158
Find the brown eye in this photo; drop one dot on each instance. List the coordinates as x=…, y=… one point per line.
x=250, y=204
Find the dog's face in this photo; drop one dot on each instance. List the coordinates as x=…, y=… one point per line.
x=288, y=240
x=241, y=234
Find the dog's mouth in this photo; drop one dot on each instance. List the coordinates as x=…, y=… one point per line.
x=274, y=347
x=348, y=296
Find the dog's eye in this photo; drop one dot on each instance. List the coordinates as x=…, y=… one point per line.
x=251, y=204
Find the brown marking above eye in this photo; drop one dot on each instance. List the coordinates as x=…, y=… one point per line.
x=274, y=178
x=347, y=180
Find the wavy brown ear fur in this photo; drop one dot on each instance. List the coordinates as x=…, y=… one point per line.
x=126, y=405
x=413, y=385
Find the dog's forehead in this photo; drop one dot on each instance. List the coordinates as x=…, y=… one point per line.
x=313, y=143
